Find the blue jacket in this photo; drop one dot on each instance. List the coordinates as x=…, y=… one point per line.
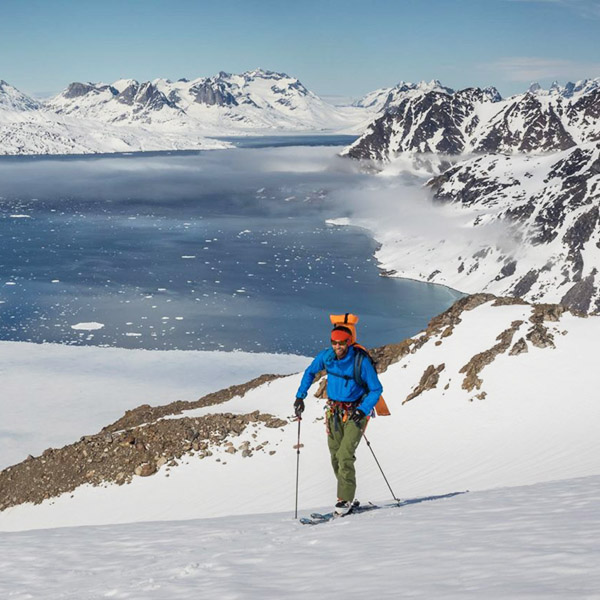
x=339, y=388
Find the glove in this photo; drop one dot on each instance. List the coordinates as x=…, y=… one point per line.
x=299, y=406
x=357, y=416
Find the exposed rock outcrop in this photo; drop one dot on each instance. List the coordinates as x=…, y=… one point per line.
x=429, y=380
x=474, y=367
x=108, y=458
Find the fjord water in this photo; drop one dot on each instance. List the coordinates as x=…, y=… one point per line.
x=203, y=250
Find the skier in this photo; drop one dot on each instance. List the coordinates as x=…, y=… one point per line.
x=348, y=409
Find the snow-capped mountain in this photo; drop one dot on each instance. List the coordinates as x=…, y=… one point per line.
x=384, y=98
x=374, y=100
x=579, y=88
x=521, y=174
x=440, y=121
x=12, y=100
x=521, y=225
x=551, y=205
x=128, y=115
x=123, y=101
x=30, y=127
x=252, y=100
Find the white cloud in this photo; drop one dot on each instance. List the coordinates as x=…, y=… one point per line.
x=530, y=68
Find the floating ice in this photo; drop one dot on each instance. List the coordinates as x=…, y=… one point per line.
x=92, y=326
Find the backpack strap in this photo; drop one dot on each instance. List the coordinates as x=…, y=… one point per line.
x=359, y=356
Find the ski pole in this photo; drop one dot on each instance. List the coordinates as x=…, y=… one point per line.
x=373, y=453
x=297, y=466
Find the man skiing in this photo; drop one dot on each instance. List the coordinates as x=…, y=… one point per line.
x=348, y=408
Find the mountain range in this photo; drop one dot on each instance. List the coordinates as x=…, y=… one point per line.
x=430, y=119
x=253, y=100
x=423, y=118
x=128, y=115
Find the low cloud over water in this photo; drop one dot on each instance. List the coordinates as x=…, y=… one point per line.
x=202, y=251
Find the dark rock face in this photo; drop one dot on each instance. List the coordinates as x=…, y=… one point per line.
x=75, y=90
x=578, y=235
x=507, y=270
x=585, y=113
x=579, y=297
x=213, y=93
x=525, y=284
x=451, y=123
x=127, y=96
x=428, y=123
x=542, y=130
x=150, y=98
x=144, y=97
x=375, y=141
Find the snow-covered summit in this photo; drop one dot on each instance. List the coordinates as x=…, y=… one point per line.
x=256, y=99
x=31, y=127
x=384, y=98
x=125, y=100
x=569, y=90
x=11, y=99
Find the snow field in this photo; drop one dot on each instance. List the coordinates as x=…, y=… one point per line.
x=537, y=541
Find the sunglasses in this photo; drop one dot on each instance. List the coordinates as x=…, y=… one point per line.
x=336, y=343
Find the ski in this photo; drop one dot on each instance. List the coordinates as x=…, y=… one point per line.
x=316, y=518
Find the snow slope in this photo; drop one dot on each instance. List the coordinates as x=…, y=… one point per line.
x=532, y=419
x=539, y=541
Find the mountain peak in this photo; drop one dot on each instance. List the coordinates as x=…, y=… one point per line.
x=13, y=100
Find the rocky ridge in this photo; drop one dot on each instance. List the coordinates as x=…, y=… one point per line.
x=138, y=444
x=443, y=122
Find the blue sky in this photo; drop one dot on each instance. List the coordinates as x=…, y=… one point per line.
x=335, y=47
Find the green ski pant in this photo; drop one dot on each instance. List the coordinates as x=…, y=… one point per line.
x=343, y=439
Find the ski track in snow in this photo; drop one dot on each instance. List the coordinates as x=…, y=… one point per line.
x=539, y=541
